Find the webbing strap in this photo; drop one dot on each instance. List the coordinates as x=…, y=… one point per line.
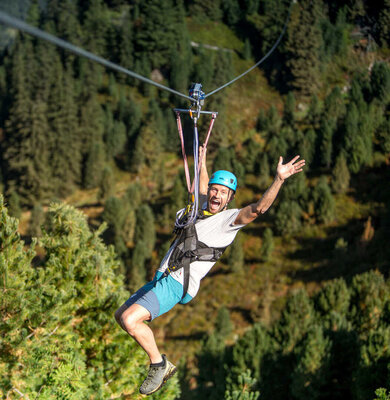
x=205, y=145
x=186, y=169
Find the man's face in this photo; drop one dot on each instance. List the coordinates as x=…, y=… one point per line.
x=217, y=198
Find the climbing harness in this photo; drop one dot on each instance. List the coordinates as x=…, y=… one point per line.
x=188, y=248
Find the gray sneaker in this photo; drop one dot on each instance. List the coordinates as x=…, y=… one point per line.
x=157, y=376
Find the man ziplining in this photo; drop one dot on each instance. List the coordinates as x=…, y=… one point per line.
x=189, y=259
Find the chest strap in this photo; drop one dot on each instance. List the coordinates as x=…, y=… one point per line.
x=189, y=249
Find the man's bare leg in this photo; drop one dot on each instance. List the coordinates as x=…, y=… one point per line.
x=131, y=319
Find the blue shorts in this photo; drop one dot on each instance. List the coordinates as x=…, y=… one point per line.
x=159, y=295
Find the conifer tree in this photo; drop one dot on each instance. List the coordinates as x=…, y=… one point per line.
x=295, y=321
x=138, y=269
x=57, y=320
x=289, y=110
x=314, y=112
x=340, y=175
x=311, y=374
x=288, y=217
x=26, y=148
x=353, y=141
x=107, y=184
x=236, y=257
x=307, y=146
x=242, y=388
x=323, y=201
x=66, y=143
x=268, y=245
x=14, y=206
x=94, y=166
x=326, y=146
x=222, y=160
x=380, y=82
x=145, y=230
x=303, y=44
x=223, y=323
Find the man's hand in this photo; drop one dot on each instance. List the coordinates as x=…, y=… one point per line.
x=284, y=171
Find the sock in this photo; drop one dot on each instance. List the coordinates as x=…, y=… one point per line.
x=160, y=364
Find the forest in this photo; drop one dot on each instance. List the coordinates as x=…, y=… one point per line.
x=91, y=177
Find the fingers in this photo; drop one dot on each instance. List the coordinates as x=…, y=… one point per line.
x=294, y=159
x=280, y=160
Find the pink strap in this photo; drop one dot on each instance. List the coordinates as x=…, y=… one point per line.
x=187, y=172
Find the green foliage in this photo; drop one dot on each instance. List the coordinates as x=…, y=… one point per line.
x=322, y=346
x=107, y=184
x=303, y=44
x=236, y=258
x=340, y=175
x=223, y=323
x=311, y=373
x=380, y=82
x=242, y=388
x=57, y=319
x=323, y=201
x=268, y=245
x=382, y=394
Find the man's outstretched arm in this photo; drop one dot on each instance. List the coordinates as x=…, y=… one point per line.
x=284, y=171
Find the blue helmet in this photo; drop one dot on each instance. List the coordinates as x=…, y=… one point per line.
x=224, y=178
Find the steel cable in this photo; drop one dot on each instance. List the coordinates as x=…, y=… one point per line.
x=20, y=25
x=259, y=62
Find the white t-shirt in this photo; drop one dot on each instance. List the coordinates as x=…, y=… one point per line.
x=215, y=231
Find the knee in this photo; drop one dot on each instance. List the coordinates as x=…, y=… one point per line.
x=129, y=323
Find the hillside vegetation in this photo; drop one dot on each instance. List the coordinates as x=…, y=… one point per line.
x=299, y=306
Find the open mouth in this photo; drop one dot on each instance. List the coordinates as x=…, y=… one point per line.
x=214, y=204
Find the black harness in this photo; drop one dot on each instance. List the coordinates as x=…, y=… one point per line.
x=189, y=249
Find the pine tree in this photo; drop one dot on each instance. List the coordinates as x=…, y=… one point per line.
x=303, y=45
x=107, y=184
x=236, y=256
x=242, y=388
x=222, y=160
x=288, y=217
x=289, y=110
x=57, y=320
x=14, y=206
x=223, y=323
x=380, y=82
x=94, y=166
x=26, y=148
x=268, y=245
x=145, y=230
x=311, y=374
x=354, y=144
x=326, y=146
x=323, y=201
x=307, y=146
x=66, y=144
x=314, y=112
x=295, y=321
x=340, y=175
